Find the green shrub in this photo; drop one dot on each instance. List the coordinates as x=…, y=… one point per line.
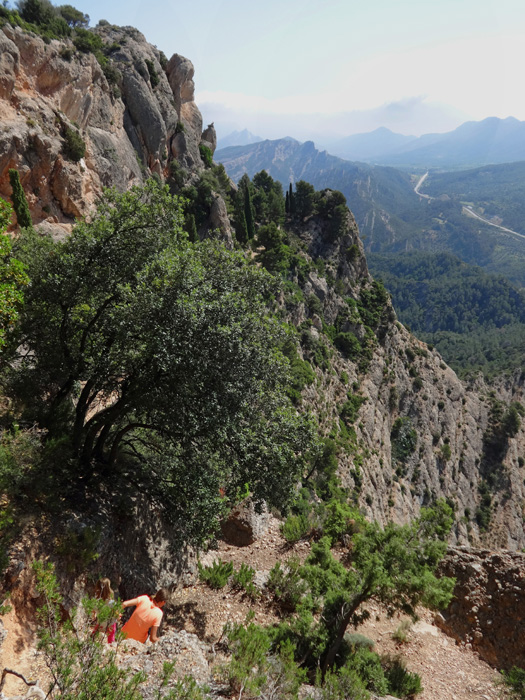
x=343, y=684
x=295, y=528
x=243, y=580
x=74, y=145
x=403, y=438
x=341, y=519
x=20, y=204
x=350, y=408
x=514, y=680
x=348, y=344
x=253, y=671
x=401, y=683
x=206, y=155
x=446, y=452
x=287, y=584
x=178, y=174
x=216, y=575
x=366, y=664
x=153, y=75
x=352, y=253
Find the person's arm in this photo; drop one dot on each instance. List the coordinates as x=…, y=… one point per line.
x=153, y=634
x=129, y=603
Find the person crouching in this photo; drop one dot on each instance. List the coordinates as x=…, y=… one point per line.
x=146, y=617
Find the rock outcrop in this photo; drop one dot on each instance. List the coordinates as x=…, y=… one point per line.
x=488, y=609
x=134, y=115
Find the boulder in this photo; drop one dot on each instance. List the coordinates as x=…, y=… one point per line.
x=245, y=525
x=488, y=608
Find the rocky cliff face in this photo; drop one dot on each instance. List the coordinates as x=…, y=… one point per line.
x=134, y=116
x=418, y=432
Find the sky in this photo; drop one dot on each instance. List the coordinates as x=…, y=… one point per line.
x=325, y=69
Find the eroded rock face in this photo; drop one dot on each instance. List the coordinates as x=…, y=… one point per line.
x=133, y=118
x=488, y=609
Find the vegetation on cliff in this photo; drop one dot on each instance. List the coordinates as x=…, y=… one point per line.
x=149, y=358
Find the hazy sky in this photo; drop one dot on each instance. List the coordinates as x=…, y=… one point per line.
x=308, y=67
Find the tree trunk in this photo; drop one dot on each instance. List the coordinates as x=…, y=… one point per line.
x=341, y=629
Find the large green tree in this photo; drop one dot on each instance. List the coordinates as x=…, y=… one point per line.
x=154, y=352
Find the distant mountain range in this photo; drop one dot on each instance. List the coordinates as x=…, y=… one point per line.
x=238, y=138
x=392, y=218
x=472, y=144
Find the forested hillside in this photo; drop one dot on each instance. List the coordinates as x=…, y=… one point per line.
x=476, y=320
x=497, y=192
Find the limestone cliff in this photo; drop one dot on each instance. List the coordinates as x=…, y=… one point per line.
x=420, y=433
x=134, y=116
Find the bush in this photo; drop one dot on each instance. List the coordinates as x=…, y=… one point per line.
x=343, y=684
x=216, y=575
x=153, y=75
x=255, y=672
x=404, y=439
x=206, y=155
x=366, y=664
x=19, y=200
x=287, y=584
x=243, y=580
x=350, y=408
x=401, y=683
x=74, y=145
x=178, y=174
x=348, y=344
x=514, y=680
x=295, y=528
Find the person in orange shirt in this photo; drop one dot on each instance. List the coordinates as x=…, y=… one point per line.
x=146, y=617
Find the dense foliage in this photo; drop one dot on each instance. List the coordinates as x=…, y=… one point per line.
x=475, y=319
x=152, y=358
x=394, y=565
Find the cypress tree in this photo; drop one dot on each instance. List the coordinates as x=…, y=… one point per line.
x=287, y=203
x=291, y=202
x=191, y=228
x=19, y=200
x=248, y=213
x=240, y=218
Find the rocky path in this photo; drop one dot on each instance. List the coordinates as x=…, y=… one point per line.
x=195, y=618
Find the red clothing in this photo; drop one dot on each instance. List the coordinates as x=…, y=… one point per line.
x=145, y=615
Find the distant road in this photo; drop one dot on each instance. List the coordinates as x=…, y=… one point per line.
x=419, y=183
x=466, y=209
x=469, y=211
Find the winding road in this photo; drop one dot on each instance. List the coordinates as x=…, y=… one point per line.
x=466, y=209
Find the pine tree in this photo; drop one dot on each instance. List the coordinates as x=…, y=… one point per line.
x=19, y=200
